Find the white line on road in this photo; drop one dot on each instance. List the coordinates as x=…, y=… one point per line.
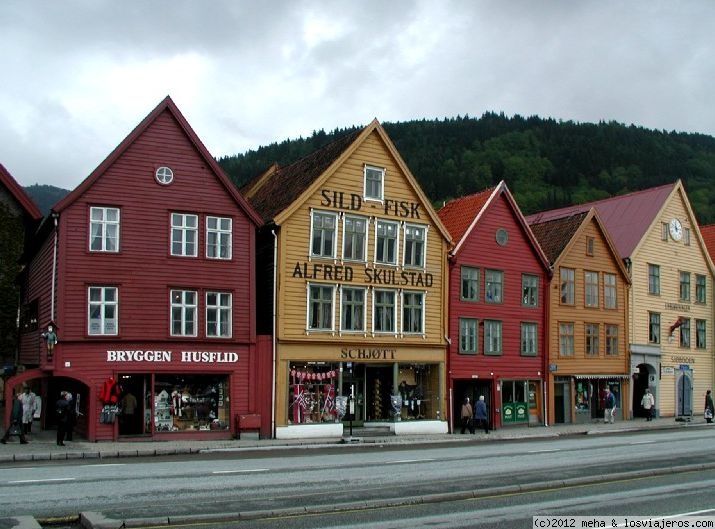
x=39, y=480
x=240, y=471
x=401, y=461
x=542, y=451
x=642, y=442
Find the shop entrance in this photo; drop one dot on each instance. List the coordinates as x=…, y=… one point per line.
x=562, y=400
x=472, y=389
x=132, y=404
x=684, y=393
x=645, y=378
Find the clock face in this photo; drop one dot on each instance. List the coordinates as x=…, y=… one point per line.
x=676, y=229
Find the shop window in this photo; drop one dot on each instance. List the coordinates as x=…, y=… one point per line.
x=386, y=242
x=384, y=311
x=312, y=396
x=218, y=237
x=103, y=306
x=413, y=312
x=323, y=231
x=415, y=242
x=352, y=309
x=470, y=283
x=354, y=238
x=183, y=312
x=218, y=314
x=184, y=234
x=104, y=229
x=191, y=403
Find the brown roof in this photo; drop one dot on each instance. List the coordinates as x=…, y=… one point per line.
x=708, y=234
x=554, y=235
x=458, y=215
x=19, y=194
x=626, y=217
x=167, y=105
x=277, y=188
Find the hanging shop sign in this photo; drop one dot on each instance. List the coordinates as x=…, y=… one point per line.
x=197, y=357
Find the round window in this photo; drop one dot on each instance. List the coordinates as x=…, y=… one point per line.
x=502, y=237
x=164, y=175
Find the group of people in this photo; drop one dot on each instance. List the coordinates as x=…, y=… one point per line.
x=476, y=417
x=26, y=406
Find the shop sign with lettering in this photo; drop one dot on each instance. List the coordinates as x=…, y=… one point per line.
x=197, y=357
x=353, y=202
x=367, y=353
x=372, y=276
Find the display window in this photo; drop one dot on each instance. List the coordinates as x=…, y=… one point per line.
x=312, y=394
x=591, y=395
x=190, y=403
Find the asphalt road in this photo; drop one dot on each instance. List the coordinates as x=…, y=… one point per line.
x=435, y=486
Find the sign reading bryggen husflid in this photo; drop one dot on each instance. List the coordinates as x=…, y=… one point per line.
x=360, y=290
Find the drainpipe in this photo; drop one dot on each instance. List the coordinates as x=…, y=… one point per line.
x=273, y=337
x=55, y=216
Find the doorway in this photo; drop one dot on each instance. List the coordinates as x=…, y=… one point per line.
x=131, y=417
x=562, y=401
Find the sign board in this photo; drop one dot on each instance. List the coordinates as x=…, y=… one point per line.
x=667, y=370
x=552, y=368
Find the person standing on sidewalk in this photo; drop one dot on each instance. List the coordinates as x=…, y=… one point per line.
x=15, y=426
x=467, y=416
x=28, y=410
x=62, y=412
x=709, y=407
x=480, y=414
x=648, y=403
x=609, y=407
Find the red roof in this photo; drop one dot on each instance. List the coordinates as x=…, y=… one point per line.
x=19, y=194
x=626, y=217
x=708, y=235
x=458, y=215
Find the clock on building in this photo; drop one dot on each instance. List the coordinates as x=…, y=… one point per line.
x=676, y=229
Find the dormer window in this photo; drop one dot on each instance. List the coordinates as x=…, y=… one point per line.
x=374, y=183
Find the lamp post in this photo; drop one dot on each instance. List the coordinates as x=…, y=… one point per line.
x=351, y=397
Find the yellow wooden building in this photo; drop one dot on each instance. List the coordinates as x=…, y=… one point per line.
x=360, y=266
x=588, y=317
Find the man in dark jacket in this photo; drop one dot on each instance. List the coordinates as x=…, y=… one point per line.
x=15, y=426
x=62, y=411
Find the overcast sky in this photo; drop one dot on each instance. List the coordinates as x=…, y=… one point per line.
x=78, y=75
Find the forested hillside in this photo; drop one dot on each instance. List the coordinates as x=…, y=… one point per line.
x=546, y=163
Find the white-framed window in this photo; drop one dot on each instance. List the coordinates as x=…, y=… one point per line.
x=184, y=234
x=218, y=314
x=700, y=288
x=568, y=286
x=592, y=331
x=218, y=237
x=374, y=183
x=590, y=281
x=492, y=337
x=654, y=327
x=415, y=245
x=103, y=229
x=468, y=336
x=684, y=286
x=686, y=236
x=653, y=279
x=102, y=311
x=529, y=344
x=323, y=229
x=352, y=309
x=384, y=311
x=184, y=312
x=413, y=312
x=164, y=175
x=700, y=334
x=354, y=238
x=470, y=283
x=566, y=339
x=664, y=231
x=386, y=242
x=611, y=340
x=685, y=333
x=529, y=290
x=610, y=292
x=493, y=286
x=320, y=307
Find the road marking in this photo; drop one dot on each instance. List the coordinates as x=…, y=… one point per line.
x=39, y=480
x=545, y=450
x=240, y=471
x=642, y=442
x=401, y=461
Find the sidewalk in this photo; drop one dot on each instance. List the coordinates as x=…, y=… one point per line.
x=42, y=445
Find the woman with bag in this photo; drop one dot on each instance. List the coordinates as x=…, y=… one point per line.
x=467, y=416
x=648, y=404
x=709, y=408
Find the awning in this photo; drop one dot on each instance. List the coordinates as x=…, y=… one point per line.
x=603, y=376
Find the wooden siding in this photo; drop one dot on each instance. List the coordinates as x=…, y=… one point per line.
x=295, y=241
x=602, y=261
x=673, y=257
x=518, y=257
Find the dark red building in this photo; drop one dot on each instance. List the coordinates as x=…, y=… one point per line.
x=145, y=277
x=497, y=308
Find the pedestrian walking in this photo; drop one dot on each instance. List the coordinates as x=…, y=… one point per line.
x=62, y=412
x=480, y=414
x=709, y=407
x=609, y=412
x=15, y=426
x=71, y=416
x=648, y=404
x=467, y=416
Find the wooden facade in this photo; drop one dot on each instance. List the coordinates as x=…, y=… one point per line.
x=493, y=239
x=332, y=352
x=146, y=274
x=588, y=319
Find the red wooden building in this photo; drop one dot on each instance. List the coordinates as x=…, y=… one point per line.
x=145, y=277
x=497, y=308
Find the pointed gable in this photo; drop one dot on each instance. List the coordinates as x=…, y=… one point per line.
x=168, y=106
x=19, y=195
x=626, y=217
x=460, y=214
x=555, y=234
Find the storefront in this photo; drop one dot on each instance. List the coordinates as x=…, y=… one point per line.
x=521, y=402
x=590, y=395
